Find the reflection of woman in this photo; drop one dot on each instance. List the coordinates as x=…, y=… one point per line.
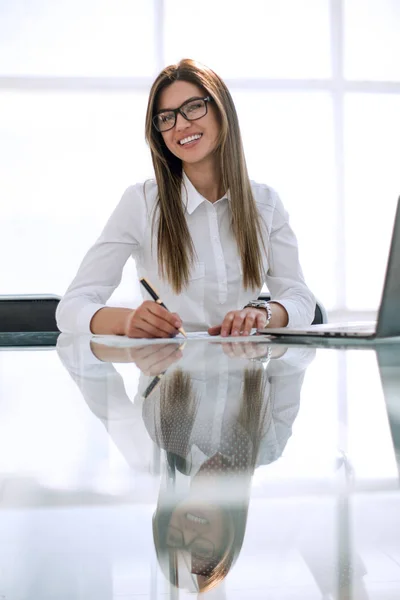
x=216, y=417
x=216, y=433
x=205, y=235
x=204, y=525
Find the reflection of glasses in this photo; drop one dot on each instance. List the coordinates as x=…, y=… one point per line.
x=191, y=110
x=199, y=547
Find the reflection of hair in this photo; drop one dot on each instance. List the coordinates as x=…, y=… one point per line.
x=177, y=394
x=174, y=259
x=178, y=404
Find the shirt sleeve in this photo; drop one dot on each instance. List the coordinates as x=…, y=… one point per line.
x=104, y=391
x=101, y=269
x=285, y=279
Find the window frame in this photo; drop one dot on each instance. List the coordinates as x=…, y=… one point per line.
x=336, y=85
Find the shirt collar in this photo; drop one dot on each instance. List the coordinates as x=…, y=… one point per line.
x=191, y=197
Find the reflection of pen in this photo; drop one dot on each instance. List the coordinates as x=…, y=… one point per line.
x=156, y=380
x=153, y=384
x=146, y=284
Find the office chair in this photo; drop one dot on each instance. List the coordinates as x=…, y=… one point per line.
x=320, y=315
x=28, y=313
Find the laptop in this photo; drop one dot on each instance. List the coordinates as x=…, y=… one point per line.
x=388, y=322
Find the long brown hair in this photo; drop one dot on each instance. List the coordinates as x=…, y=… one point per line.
x=177, y=396
x=175, y=259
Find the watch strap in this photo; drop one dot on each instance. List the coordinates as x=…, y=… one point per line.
x=261, y=304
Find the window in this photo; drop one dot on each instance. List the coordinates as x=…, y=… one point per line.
x=318, y=99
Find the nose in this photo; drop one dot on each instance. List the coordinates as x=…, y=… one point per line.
x=181, y=122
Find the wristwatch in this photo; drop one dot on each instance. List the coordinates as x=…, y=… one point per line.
x=263, y=359
x=261, y=304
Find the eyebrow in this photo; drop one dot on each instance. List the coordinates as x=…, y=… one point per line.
x=188, y=100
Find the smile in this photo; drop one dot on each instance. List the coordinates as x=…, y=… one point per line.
x=190, y=138
x=196, y=519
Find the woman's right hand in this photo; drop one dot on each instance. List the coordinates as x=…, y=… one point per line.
x=153, y=359
x=150, y=320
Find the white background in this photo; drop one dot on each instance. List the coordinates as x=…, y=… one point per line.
x=317, y=88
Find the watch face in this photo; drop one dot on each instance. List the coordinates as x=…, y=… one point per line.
x=256, y=304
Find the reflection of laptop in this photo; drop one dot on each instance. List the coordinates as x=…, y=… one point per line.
x=388, y=358
x=388, y=323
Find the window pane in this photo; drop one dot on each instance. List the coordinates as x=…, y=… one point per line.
x=65, y=160
x=78, y=37
x=258, y=38
x=288, y=140
x=372, y=127
x=372, y=40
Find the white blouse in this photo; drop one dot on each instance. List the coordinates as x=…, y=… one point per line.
x=215, y=286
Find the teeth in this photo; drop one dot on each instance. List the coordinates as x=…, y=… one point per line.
x=190, y=139
x=195, y=519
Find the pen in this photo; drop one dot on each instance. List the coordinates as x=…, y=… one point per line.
x=147, y=286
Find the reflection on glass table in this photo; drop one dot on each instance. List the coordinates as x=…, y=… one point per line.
x=248, y=471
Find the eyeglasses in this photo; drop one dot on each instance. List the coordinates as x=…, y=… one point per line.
x=193, y=109
x=199, y=547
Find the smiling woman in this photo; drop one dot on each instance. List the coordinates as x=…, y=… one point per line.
x=205, y=236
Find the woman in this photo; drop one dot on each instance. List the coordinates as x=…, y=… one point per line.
x=205, y=236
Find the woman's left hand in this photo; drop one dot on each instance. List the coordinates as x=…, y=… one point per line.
x=240, y=322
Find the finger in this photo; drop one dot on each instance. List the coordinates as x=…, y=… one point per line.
x=249, y=322
x=215, y=330
x=237, y=323
x=226, y=326
x=178, y=320
x=139, y=353
x=165, y=328
x=254, y=350
x=227, y=348
x=239, y=349
x=163, y=365
x=150, y=322
x=160, y=361
x=142, y=321
x=261, y=319
x=162, y=313
x=261, y=350
x=143, y=330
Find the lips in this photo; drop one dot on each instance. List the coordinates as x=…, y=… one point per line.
x=189, y=139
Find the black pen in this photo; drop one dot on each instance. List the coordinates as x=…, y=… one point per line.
x=147, y=286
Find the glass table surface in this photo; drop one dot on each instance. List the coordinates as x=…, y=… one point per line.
x=219, y=469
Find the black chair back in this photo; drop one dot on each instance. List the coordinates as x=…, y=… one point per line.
x=34, y=313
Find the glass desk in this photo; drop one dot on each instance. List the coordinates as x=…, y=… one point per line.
x=221, y=470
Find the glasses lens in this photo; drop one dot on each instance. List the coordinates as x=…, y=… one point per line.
x=202, y=549
x=195, y=109
x=164, y=121
x=174, y=537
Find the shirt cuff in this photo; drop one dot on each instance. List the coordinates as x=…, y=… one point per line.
x=76, y=353
x=296, y=318
x=85, y=316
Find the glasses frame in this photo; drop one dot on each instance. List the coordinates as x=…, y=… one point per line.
x=179, y=110
x=184, y=546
